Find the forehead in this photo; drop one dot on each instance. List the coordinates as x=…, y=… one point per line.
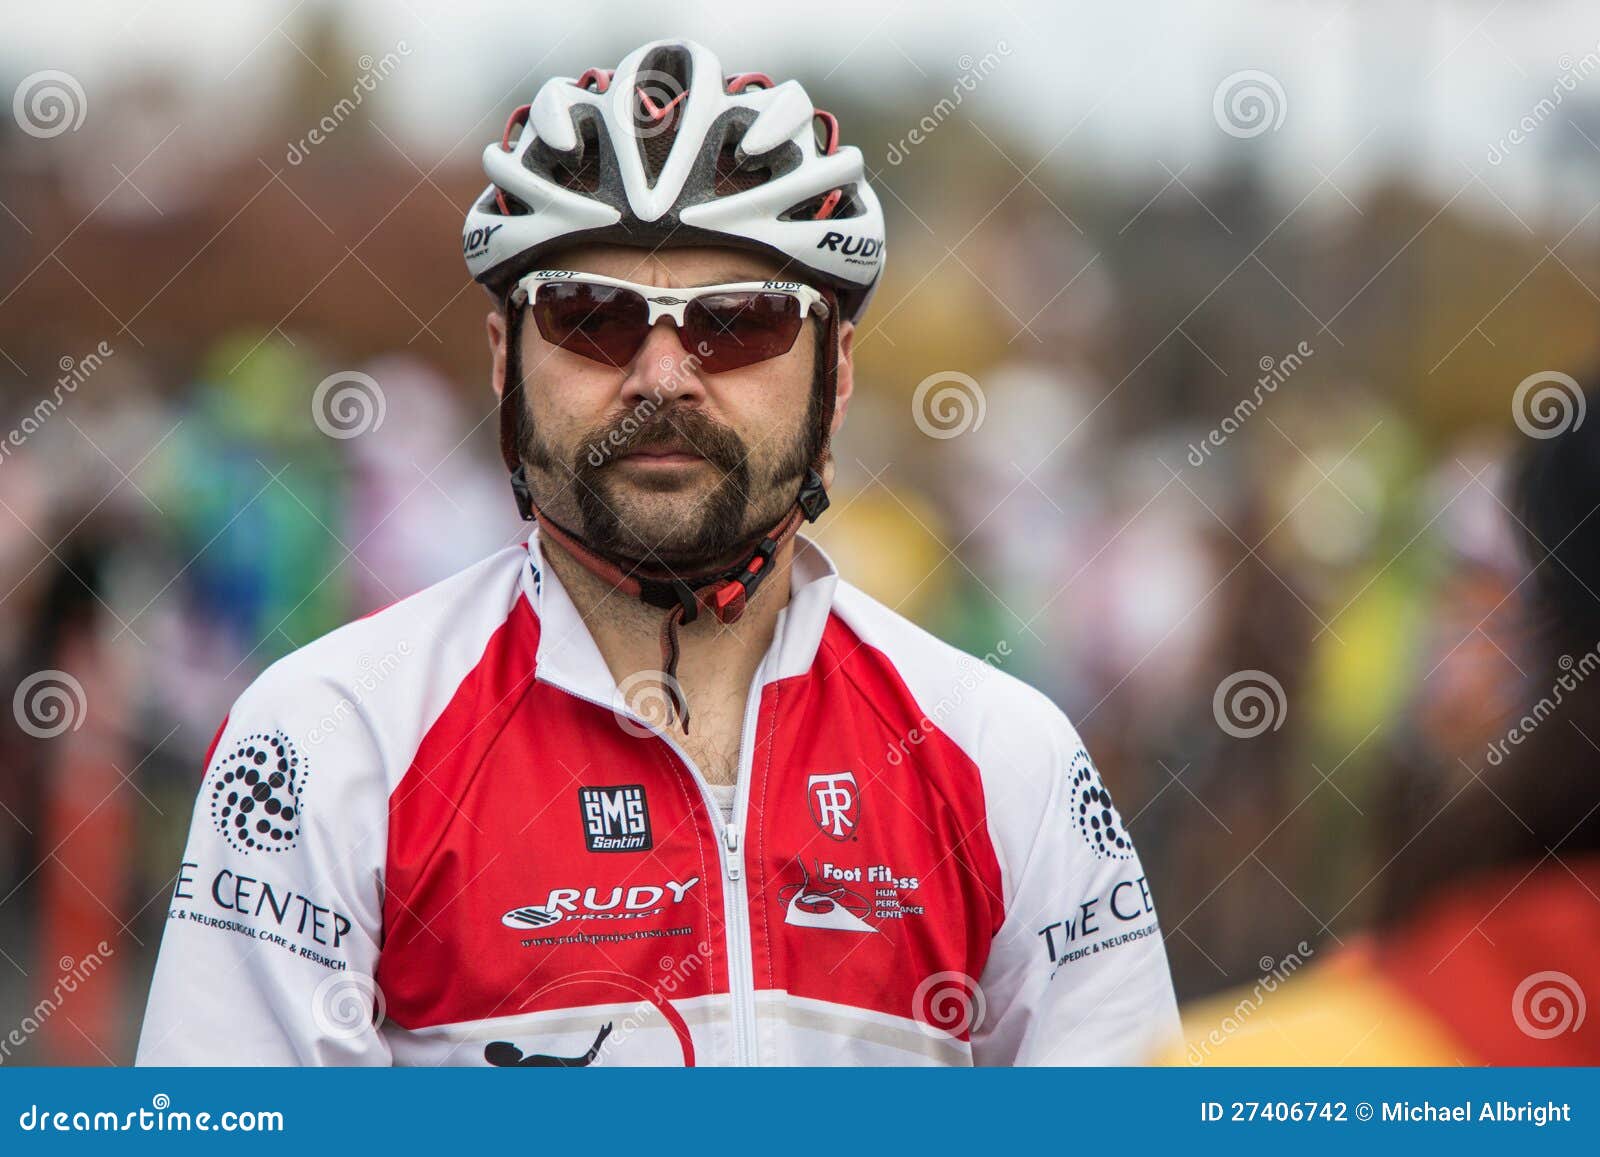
x=689, y=265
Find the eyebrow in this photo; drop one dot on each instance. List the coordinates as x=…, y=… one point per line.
x=729, y=276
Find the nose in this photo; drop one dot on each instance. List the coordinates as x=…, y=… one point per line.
x=662, y=370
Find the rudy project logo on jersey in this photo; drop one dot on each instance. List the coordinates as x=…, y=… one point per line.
x=530, y=916
x=592, y=903
x=255, y=793
x=615, y=819
x=835, y=803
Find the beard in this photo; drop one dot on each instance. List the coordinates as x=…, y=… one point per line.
x=660, y=522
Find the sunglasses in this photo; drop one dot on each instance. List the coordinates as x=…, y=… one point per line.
x=725, y=327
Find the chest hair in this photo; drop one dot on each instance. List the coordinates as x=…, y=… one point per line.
x=713, y=741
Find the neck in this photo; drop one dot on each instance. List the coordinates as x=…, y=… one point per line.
x=717, y=661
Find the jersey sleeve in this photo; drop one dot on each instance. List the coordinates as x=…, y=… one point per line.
x=275, y=914
x=1077, y=973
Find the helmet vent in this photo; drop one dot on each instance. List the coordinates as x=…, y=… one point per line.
x=660, y=90
x=849, y=206
x=501, y=203
x=736, y=173
x=580, y=168
x=734, y=177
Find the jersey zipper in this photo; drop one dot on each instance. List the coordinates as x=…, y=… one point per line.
x=741, y=955
x=730, y=854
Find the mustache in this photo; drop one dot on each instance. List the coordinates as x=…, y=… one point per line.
x=678, y=428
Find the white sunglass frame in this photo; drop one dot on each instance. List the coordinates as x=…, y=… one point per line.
x=672, y=301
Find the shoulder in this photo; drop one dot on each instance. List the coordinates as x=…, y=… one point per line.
x=1012, y=731
x=462, y=609
x=1043, y=800
x=369, y=689
x=964, y=688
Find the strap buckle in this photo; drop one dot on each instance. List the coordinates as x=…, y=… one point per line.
x=520, y=491
x=732, y=595
x=668, y=595
x=813, y=498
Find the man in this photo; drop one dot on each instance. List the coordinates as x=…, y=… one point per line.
x=657, y=787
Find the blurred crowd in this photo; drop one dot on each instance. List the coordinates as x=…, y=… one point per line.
x=1277, y=626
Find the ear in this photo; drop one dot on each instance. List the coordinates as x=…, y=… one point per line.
x=845, y=382
x=495, y=326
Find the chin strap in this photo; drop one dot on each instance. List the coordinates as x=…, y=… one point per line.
x=724, y=593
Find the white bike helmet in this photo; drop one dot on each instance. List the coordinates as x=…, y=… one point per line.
x=669, y=150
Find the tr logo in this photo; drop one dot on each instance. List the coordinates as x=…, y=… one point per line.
x=835, y=803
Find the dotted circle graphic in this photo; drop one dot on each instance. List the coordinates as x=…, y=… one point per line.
x=255, y=793
x=1096, y=815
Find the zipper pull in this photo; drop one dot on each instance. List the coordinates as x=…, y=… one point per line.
x=730, y=840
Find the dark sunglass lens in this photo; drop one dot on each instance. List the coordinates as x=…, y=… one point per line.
x=729, y=330
x=604, y=323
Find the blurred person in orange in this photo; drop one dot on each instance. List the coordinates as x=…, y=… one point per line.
x=1485, y=948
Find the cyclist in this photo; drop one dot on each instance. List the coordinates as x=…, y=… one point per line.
x=657, y=786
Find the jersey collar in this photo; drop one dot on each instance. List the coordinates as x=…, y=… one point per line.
x=569, y=658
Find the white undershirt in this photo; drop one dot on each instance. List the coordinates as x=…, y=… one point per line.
x=723, y=794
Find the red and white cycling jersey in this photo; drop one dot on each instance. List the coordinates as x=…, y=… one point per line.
x=434, y=837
